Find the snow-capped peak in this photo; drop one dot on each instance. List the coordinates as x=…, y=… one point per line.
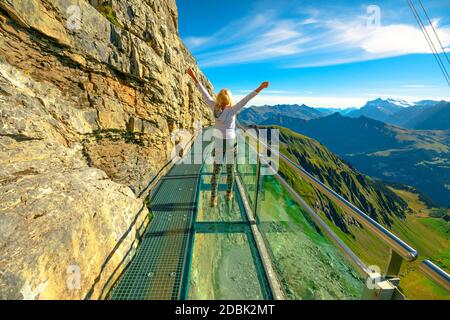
x=401, y=102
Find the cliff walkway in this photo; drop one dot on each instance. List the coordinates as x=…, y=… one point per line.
x=267, y=243
x=158, y=269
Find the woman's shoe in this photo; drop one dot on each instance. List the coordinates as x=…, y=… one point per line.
x=213, y=202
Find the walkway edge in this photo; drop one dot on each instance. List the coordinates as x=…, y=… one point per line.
x=271, y=274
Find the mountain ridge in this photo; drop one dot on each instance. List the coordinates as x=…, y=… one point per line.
x=374, y=198
x=413, y=157
x=398, y=208
x=424, y=115
x=421, y=115
x=259, y=114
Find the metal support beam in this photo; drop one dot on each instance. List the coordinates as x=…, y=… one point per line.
x=272, y=276
x=395, y=263
x=377, y=288
x=258, y=185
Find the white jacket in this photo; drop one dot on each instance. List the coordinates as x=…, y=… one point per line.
x=226, y=122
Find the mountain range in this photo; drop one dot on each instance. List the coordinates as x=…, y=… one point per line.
x=418, y=158
x=259, y=114
x=422, y=115
x=398, y=208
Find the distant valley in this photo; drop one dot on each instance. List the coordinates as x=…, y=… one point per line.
x=419, y=158
x=399, y=209
x=422, y=115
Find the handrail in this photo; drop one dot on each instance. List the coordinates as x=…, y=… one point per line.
x=406, y=251
x=269, y=268
x=435, y=273
x=357, y=263
x=397, y=244
x=349, y=254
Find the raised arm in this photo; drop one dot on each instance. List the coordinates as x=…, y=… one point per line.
x=206, y=96
x=238, y=106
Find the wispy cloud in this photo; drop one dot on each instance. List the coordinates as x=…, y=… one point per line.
x=232, y=34
x=394, y=39
x=353, y=41
x=416, y=86
x=195, y=42
x=410, y=98
x=269, y=91
x=263, y=38
x=314, y=40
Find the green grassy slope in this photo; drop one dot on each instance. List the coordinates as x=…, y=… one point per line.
x=402, y=211
x=413, y=157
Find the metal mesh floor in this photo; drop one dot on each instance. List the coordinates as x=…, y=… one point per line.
x=156, y=272
x=159, y=269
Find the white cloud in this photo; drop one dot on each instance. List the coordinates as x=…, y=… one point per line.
x=194, y=42
x=416, y=86
x=279, y=92
x=395, y=39
x=256, y=38
x=309, y=21
x=231, y=34
x=315, y=40
x=406, y=97
x=354, y=41
x=270, y=91
x=280, y=38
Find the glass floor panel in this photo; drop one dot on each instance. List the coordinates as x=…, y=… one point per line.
x=309, y=265
x=193, y=251
x=225, y=262
x=225, y=211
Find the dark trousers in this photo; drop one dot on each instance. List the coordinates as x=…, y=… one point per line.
x=226, y=152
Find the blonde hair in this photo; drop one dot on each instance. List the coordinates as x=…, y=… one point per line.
x=224, y=99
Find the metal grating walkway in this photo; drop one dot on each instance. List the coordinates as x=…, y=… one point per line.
x=158, y=268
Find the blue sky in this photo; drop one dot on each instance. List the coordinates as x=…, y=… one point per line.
x=321, y=53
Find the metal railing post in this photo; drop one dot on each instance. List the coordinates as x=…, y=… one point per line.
x=382, y=287
x=394, y=265
x=258, y=173
x=383, y=290
x=258, y=176
x=386, y=287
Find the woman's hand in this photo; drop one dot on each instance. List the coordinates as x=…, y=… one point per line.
x=263, y=85
x=192, y=74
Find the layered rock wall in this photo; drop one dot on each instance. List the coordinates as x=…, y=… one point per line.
x=90, y=94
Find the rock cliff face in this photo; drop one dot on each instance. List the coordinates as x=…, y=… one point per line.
x=90, y=94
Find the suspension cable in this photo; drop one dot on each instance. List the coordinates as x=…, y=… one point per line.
x=434, y=30
x=429, y=41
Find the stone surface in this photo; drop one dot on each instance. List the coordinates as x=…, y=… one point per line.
x=88, y=108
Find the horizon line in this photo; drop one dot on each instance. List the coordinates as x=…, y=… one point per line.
x=353, y=103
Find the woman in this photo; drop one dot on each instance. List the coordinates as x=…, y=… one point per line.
x=225, y=131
